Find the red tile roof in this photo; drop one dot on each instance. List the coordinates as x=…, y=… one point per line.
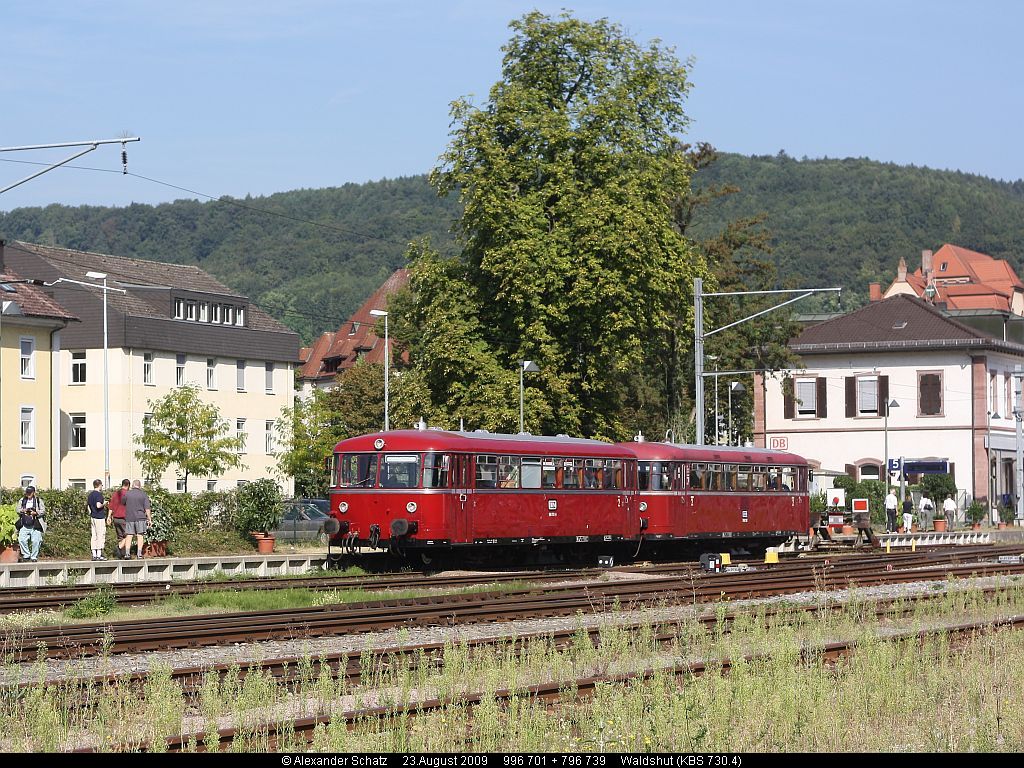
x=970, y=280
x=32, y=300
x=355, y=339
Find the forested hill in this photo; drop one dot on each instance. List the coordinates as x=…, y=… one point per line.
x=834, y=222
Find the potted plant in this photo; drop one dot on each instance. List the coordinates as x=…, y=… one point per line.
x=1006, y=515
x=975, y=514
x=259, y=512
x=939, y=520
x=8, y=533
x=159, y=533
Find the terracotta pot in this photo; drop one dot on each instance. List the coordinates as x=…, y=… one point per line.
x=940, y=525
x=975, y=526
x=900, y=530
x=8, y=554
x=265, y=545
x=1002, y=526
x=155, y=549
x=913, y=528
x=848, y=530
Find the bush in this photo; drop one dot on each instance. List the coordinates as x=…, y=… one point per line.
x=1007, y=513
x=976, y=512
x=8, y=518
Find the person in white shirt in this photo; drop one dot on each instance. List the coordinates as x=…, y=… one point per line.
x=891, y=503
x=924, y=511
x=949, y=509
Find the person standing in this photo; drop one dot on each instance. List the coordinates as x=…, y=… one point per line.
x=949, y=510
x=116, y=514
x=97, y=520
x=31, y=516
x=138, y=514
x=908, y=513
x=925, y=509
x=891, y=502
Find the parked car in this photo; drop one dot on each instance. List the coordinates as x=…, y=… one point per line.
x=302, y=520
x=324, y=505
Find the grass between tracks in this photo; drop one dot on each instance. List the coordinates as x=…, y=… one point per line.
x=101, y=605
x=888, y=696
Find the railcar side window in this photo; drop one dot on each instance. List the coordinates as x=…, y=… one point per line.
x=531, y=471
x=697, y=472
x=571, y=471
x=400, y=471
x=658, y=475
x=743, y=478
x=592, y=473
x=486, y=471
x=548, y=474
x=713, y=480
x=358, y=470
x=759, y=479
x=508, y=471
x=435, y=470
x=774, y=478
x=788, y=479
x=613, y=476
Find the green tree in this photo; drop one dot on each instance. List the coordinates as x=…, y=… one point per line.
x=186, y=433
x=569, y=255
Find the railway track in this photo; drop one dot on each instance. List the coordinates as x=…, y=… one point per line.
x=195, y=631
x=14, y=599
x=300, y=731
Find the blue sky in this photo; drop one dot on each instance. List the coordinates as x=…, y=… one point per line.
x=257, y=97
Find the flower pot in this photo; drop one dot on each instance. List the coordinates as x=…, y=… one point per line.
x=1002, y=526
x=8, y=554
x=265, y=545
x=900, y=530
x=848, y=530
x=913, y=528
x=940, y=525
x=975, y=526
x=155, y=549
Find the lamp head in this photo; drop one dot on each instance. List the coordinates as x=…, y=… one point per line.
x=378, y=313
x=529, y=366
x=96, y=275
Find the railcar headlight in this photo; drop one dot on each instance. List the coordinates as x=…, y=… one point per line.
x=343, y=507
x=643, y=506
x=410, y=507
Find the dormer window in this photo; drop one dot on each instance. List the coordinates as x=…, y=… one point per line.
x=215, y=316
x=240, y=316
x=190, y=310
x=229, y=315
x=353, y=329
x=943, y=265
x=179, y=309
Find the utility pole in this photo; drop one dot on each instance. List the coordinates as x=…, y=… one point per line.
x=699, y=335
x=1018, y=413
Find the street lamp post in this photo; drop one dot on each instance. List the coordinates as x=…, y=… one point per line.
x=524, y=365
x=989, y=475
x=734, y=386
x=106, y=371
x=387, y=364
x=887, y=406
x=1018, y=413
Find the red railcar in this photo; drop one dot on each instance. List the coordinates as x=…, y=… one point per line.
x=432, y=489
x=707, y=492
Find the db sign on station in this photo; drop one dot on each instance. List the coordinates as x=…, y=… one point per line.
x=778, y=443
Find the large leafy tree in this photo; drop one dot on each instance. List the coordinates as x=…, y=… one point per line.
x=187, y=433
x=569, y=255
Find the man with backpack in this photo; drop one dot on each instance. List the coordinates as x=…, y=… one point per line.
x=925, y=509
x=97, y=520
x=31, y=524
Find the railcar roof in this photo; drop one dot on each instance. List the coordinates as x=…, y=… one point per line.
x=483, y=442
x=712, y=453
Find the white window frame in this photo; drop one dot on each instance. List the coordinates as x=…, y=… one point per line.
x=79, y=369
x=229, y=314
x=240, y=316
x=28, y=362
x=240, y=375
x=204, y=311
x=180, y=361
x=215, y=313
x=801, y=410
x=240, y=433
x=211, y=373
x=27, y=439
x=27, y=480
x=83, y=424
x=860, y=394
x=179, y=484
x=211, y=485
x=147, y=369
x=268, y=378
x=179, y=309
x=268, y=437
x=77, y=484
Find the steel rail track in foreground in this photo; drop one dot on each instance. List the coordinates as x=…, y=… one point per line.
x=292, y=670
x=302, y=729
x=195, y=631
x=14, y=599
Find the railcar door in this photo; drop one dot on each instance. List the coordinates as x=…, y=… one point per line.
x=462, y=499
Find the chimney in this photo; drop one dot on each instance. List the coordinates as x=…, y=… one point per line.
x=875, y=292
x=926, y=265
x=901, y=271
x=3, y=267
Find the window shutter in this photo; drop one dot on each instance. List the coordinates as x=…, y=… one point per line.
x=851, y=470
x=952, y=472
x=930, y=394
x=820, y=395
x=851, y=396
x=788, y=405
x=883, y=395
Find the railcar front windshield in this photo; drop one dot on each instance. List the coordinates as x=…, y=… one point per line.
x=400, y=470
x=358, y=470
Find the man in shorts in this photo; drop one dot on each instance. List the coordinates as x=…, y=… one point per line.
x=116, y=515
x=138, y=514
